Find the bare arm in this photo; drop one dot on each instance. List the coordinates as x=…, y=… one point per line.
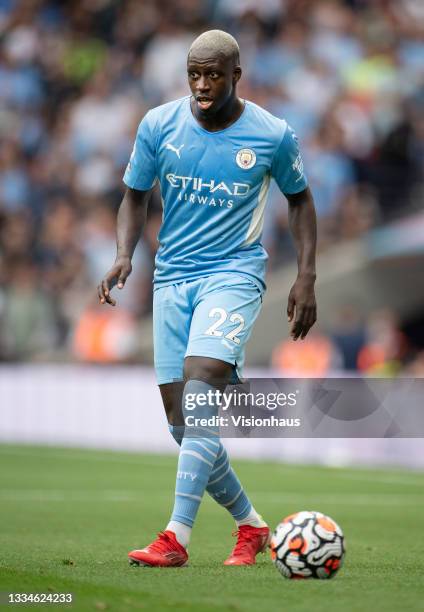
x=303, y=226
x=130, y=223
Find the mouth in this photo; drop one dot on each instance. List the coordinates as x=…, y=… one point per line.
x=204, y=103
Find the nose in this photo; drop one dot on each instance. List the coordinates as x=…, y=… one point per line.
x=203, y=84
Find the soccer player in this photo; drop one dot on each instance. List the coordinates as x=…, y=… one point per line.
x=214, y=155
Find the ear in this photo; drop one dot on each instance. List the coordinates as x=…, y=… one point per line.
x=237, y=74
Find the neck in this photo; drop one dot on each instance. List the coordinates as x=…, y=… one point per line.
x=226, y=115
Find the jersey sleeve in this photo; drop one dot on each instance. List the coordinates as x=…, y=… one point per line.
x=287, y=165
x=141, y=170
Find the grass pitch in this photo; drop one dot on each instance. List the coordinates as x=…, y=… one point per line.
x=69, y=517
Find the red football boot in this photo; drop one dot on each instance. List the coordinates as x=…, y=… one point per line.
x=250, y=542
x=165, y=551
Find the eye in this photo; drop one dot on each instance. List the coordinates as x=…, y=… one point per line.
x=193, y=75
x=214, y=75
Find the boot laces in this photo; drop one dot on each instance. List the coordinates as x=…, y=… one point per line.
x=244, y=539
x=162, y=544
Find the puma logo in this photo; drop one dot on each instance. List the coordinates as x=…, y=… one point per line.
x=176, y=150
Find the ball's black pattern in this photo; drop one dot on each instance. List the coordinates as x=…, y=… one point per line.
x=308, y=545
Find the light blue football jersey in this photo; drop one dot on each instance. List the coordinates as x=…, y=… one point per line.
x=214, y=188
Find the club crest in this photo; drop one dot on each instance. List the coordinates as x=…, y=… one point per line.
x=246, y=159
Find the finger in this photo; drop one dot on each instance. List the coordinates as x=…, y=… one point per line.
x=290, y=308
x=313, y=316
x=105, y=287
x=108, y=299
x=305, y=331
x=122, y=278
x=301, y=325
x=296, y=331
x=100, y=294
x=298, y=324
x=310, y=320
x=307, y=323
x=106, y=293
x=109, y=280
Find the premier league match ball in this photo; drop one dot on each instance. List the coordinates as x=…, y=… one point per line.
x=308, y=545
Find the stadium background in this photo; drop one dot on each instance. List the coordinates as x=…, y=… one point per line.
x=75, y=79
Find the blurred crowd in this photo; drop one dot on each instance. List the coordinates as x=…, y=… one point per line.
x=373, y=345
x=76, y=77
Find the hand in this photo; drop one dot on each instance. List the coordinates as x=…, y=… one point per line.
x=302, y=299
x=118, y=274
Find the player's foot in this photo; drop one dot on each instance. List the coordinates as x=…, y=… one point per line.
x=250, y=542
x=165, y=551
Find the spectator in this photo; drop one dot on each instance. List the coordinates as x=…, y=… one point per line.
x=76, y=78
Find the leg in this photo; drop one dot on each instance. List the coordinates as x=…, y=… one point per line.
x=171, y=313
x=197, y=451
x=200, y=449
x=172, y=395
x=171, y=326
x=223, y=485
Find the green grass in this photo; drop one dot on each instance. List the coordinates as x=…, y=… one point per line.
x=68, y=518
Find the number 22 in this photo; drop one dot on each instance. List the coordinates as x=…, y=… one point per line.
x=222, y=317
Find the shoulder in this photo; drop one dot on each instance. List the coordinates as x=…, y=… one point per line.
x=270, y=126
x=165, y=113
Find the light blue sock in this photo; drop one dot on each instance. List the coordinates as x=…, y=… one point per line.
x=226, y=488
x=198, y=453
x=223, y=485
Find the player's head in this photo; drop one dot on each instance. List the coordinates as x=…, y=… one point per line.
x=213, y=67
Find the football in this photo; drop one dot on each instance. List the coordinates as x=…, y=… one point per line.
x=308, y=545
